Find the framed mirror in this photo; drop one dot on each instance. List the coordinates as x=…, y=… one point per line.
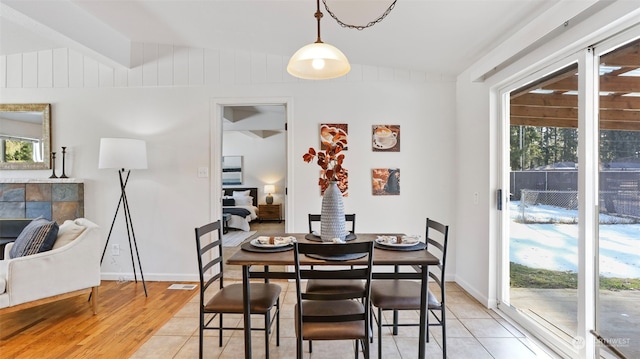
x=25, y=136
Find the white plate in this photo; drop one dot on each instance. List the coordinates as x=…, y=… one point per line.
x=391, y=241
x=379, y=145
x=255, y=242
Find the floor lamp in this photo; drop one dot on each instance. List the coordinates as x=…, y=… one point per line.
x=124, y=154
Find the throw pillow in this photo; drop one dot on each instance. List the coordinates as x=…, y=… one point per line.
x=242, y=193
x=67, y=232
x=38, y=236
x=244, y=201
x=228, y=202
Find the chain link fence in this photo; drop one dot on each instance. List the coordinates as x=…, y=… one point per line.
x=624, y=205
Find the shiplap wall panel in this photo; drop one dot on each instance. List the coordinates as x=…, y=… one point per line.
x=180, y=66
x=106, y=75
x=14, y=70
x=243, y=68
x=120, y=77
x=196, y=67
x=369, y=73
x=150, y=65
x=3, y=71
x=258, y=68
x=91, y=73
x=135, y=74
x=211, y=67
x=30, y=70
x=227, y=67
x=168, y=65
x=355, y=75
x=76, y=69
x=165, y=65
x=385, y=74
x=60, y=68
x=401, y=75
x=45, y=68
x=275, y=68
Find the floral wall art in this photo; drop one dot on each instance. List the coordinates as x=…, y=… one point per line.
x=385, y=181
x=330, y=130
x=385, y=138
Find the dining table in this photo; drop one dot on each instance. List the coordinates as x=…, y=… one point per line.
x=257, y=260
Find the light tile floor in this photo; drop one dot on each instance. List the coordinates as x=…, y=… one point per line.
x=472, y=332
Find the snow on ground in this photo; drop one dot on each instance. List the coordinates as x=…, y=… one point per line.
x=555, y=246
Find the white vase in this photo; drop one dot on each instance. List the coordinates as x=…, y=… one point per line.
x=332, y=221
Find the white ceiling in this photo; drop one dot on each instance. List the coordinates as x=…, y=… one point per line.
x=435, y=36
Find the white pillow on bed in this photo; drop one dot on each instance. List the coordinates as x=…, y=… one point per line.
x=244, y=201
x=242, y=193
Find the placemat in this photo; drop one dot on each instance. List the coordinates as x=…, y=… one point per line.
x=417, y=247
x=313, y=237
x=247, y=246
x=343, y=257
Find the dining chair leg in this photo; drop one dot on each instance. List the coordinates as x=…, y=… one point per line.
x=267, y=329
x=444, y=333
x=220, y=330
x=395, y=322
x=201, y=347
x=379, y=333
x=278, y=322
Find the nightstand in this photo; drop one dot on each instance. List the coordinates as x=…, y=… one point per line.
x=269, y=212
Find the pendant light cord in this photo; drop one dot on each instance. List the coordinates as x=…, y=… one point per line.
x=358, y=27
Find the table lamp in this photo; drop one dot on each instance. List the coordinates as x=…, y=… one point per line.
x=269, y=188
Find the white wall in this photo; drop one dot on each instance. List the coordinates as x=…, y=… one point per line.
x=167, y=103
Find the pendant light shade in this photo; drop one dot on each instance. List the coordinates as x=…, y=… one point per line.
x=318, y=61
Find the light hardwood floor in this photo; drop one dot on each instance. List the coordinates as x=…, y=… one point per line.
x=126, y=319
x=68, y=328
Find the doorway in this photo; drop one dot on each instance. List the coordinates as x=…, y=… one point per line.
x=255, y=132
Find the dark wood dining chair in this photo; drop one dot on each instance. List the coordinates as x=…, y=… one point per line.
x=333, y=316
x=265, y=297
x=332, y=285
x=402, y=294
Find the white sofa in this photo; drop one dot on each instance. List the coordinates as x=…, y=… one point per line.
x=52, y=275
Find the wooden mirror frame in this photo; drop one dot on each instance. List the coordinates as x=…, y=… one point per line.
x=45, y=109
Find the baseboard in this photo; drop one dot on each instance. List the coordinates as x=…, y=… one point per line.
x=483, y=299
x=151, y=277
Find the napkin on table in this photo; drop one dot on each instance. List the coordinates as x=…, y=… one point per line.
x=276, y=240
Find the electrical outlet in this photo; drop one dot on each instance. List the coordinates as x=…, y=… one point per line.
x=115, y=249
x=475, y=198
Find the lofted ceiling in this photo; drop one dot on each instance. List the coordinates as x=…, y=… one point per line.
x=433, y=36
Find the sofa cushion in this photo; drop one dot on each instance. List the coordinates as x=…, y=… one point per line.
x=68, y=231
x=38, y=236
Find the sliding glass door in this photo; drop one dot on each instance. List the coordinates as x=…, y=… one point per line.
x=571, y=225
x=619, y=198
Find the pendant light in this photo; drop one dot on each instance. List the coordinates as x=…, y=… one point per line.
x=318, y=61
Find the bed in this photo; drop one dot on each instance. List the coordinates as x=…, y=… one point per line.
x=241, y=203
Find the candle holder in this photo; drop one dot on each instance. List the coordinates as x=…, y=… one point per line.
x=64, y=152
x=53, y=165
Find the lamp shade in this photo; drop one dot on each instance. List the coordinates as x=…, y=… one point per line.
x=269, y=188
x=318, y=61
x=123, y=153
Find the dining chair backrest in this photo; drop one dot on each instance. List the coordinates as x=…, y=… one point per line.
x=210, y=255
x=349, y=218
x=437, y=237
x=329, y=270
